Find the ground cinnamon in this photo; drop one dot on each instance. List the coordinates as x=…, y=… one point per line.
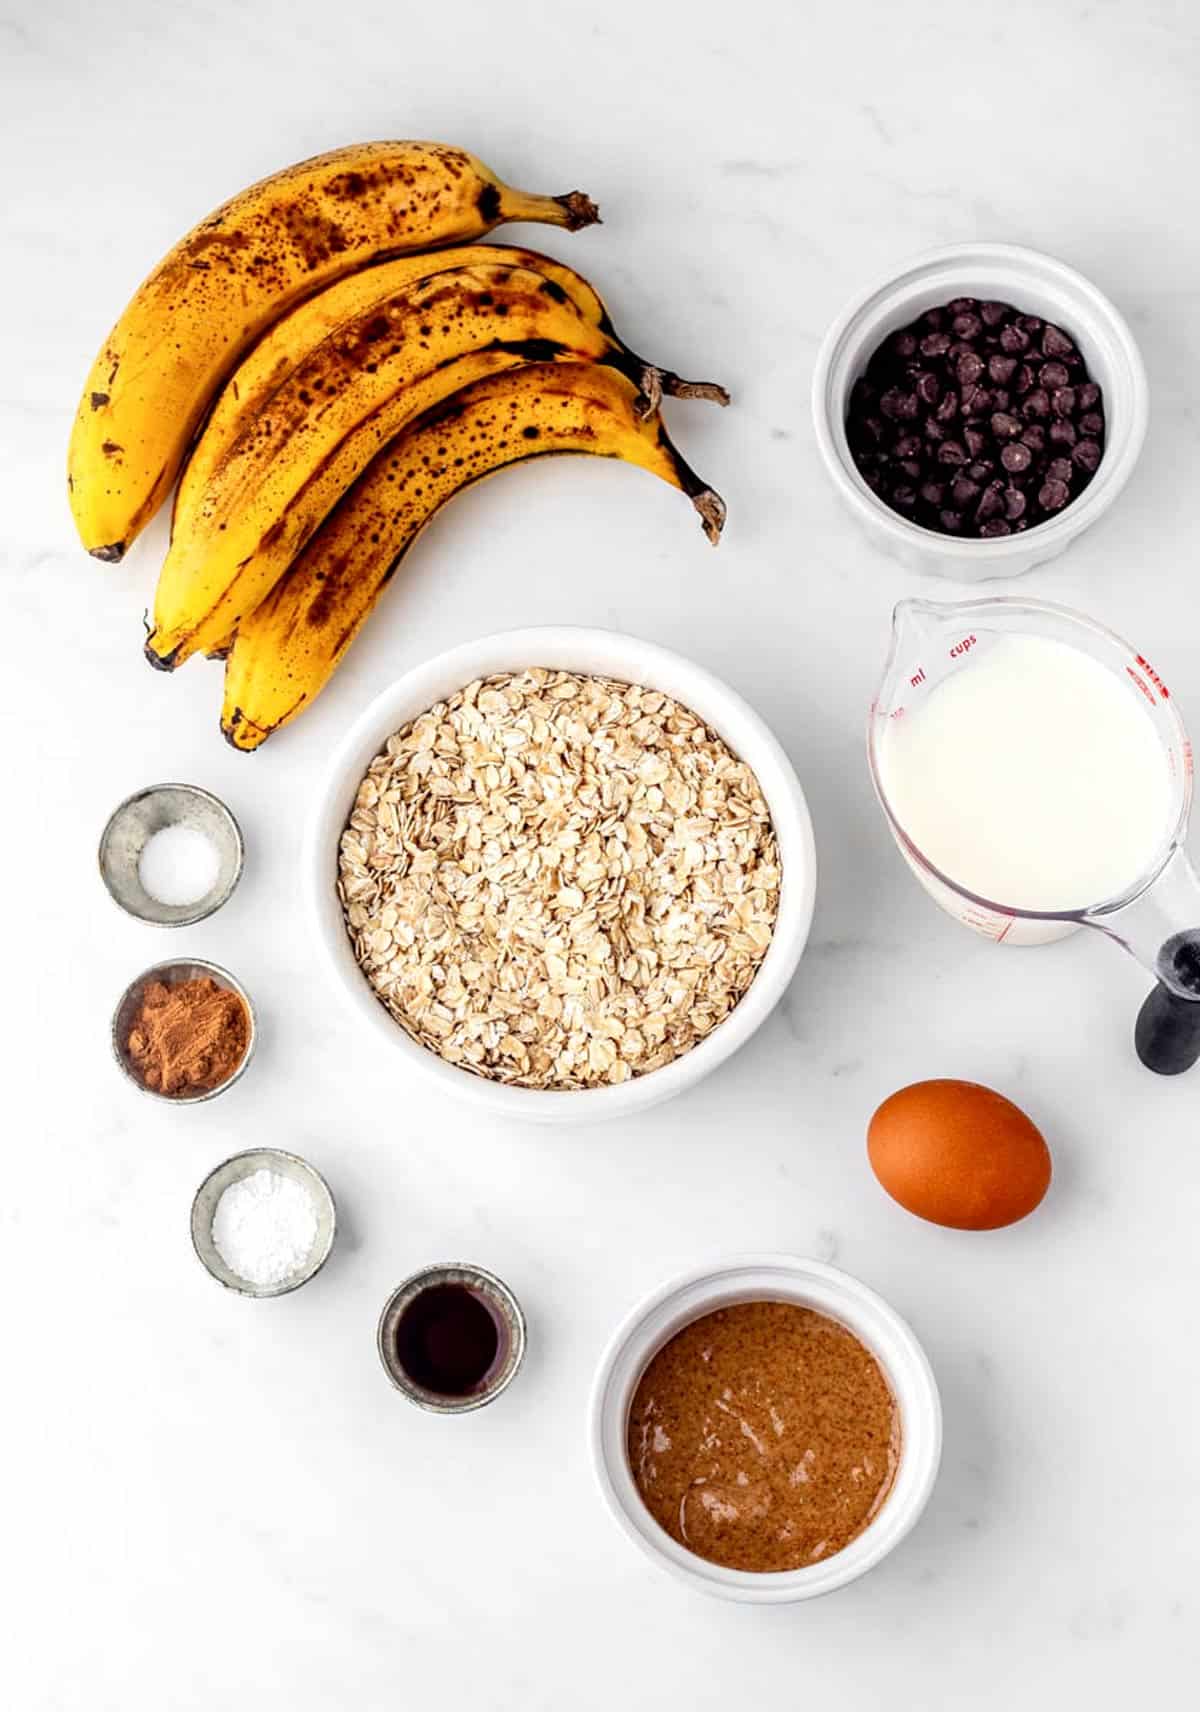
x=188, y=1038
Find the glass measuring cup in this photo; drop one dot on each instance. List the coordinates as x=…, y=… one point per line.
x=1157, y=917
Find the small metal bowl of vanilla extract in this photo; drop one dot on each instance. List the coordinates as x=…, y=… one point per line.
x=452, y=1338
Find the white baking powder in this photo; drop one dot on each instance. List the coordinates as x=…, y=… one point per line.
x=179, y=865
x=265, y=1227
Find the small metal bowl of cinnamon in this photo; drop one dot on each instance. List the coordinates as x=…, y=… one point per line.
x=184, y=1031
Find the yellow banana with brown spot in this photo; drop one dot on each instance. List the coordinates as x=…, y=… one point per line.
x=239, y=271
x=237, y=530
x=267, y=366
x=286, y=651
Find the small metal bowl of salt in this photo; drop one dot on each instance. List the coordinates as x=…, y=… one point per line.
x=171, y=854
x=263, y=1222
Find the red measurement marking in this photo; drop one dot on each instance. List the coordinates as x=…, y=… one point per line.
x=963, y=646
x=918, y=677
x=1142, y=685
x=1162, y=689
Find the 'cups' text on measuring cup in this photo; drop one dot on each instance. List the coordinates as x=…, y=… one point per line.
x=1037, y=778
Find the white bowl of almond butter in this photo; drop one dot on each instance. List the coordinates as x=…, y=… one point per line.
x=564, y=873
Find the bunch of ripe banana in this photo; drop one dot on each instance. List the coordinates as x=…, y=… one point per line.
x=322, y=384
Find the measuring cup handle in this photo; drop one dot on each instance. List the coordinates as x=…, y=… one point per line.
x=1167, y=1034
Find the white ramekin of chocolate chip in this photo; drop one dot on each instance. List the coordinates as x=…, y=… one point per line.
x=980, y=409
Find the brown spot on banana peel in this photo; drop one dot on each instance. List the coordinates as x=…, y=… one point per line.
x=99, y=400
x=111, y=555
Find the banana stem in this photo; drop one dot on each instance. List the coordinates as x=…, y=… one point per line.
x=706, y=389
x=656, y=384
x=574, y=211
x=711, y=507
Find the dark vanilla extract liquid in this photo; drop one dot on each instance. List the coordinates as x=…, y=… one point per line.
x=449, y=1341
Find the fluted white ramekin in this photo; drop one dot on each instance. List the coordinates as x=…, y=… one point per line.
x=1035, y=284
x=776, y=1278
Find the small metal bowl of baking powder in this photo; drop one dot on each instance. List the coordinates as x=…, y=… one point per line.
x=173, y=974
x=235, y=1170
x=160, y=808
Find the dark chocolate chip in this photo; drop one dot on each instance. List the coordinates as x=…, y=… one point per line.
x=970, y=367
x=967, y=325
x=960, y=305
x=991, y=502
x=1016, y=458
x=951, y=522
x=975, y=441
x=911, y=467
x=1024, y=379
x=899, y=405
x=1055, y=342
x=1087, y=454
x=1054, y=375
x=904, y=344
x=1005, y=427
x=934, y=318
x=908, y=446
x=1013, y=340
x=1029, y=323
x=993, y=313
x=951, y=452
x=1001, y=369
x=994, y=526
x=962, y=491
x=1035, y=403
x=1014, y=500
x=928, y=390
x=1059, y=469
x=1053, y=495
x=935, y=344
x=1063, y=433
x=1089, y=394
x=933, y=492
x=1034, y=436
x=904, y=496
x=1062, y=401
x=1092, y=424
x=947, y=410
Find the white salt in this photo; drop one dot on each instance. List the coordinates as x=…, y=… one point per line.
x=178, y=865
x=265, y=1227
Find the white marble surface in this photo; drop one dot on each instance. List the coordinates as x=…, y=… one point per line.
x=210, y=1501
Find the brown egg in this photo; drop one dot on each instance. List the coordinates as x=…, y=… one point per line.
x=958, y=1154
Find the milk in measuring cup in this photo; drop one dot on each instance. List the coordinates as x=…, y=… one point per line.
x=1031, y=776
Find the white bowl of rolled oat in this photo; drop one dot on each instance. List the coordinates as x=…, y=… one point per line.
x=564, y=872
